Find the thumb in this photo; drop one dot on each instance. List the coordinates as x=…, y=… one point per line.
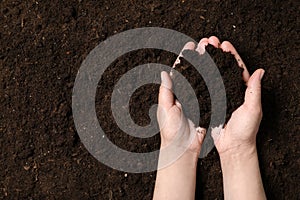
x=253, y=91
x=165, y=97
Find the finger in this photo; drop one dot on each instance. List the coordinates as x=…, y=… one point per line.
x=228, y=47
x=165, y=97
x=213, y=40
x=201, y=46
x=253, y=91
x=187, y=46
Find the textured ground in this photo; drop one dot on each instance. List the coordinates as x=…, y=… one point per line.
x=43, y=44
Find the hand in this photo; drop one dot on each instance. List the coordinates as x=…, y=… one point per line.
x=236, y=145
x=175, y=128
x=176, y=179
x=236, y=142
x=240, y=132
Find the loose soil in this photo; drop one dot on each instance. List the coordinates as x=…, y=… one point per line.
x=43, y=44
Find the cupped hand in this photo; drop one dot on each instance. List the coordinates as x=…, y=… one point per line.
x=239, y=134
x=175, y=128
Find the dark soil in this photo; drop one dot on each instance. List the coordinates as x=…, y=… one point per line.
x=43, y=44
x=232, y=78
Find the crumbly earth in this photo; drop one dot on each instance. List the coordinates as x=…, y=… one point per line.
x=43, y=44
x=231, y=75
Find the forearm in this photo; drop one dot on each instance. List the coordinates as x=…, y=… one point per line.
x=241, y=175
x=178, y=180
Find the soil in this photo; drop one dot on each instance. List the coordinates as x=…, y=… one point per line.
x=232, y=79
x=43, y=44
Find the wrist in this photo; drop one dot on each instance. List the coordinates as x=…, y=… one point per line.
x=178, y=148
x=177, y=157
x=241, y=174
x=190, y=158
x=238, y=154
x=179, y=176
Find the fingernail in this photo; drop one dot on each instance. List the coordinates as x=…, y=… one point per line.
x=165, y=80
x=162, y=76
x=262, y=74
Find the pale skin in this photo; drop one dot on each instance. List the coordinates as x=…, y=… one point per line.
x=235, y=143
x=178, y=180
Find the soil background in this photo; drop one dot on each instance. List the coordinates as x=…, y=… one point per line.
x=43, y=44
